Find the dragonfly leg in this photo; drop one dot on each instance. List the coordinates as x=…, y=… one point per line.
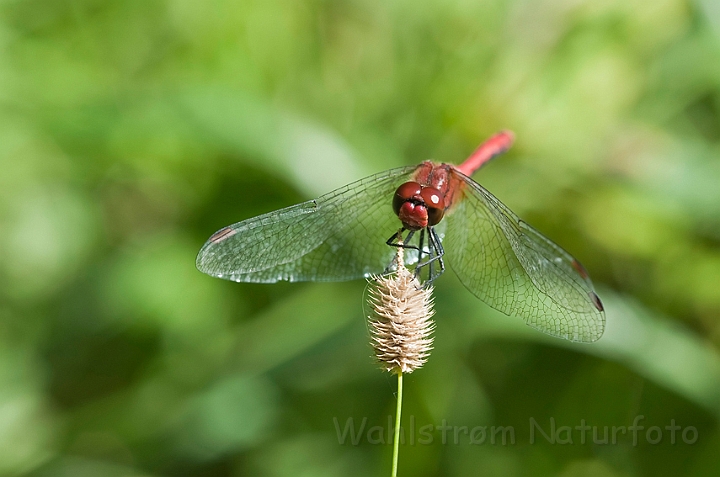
x=437, y=248
x=431, y=262
x=421, y=250
x=433, y=254
x=397, y=241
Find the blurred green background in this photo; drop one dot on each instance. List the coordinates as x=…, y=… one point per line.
x=132, y=130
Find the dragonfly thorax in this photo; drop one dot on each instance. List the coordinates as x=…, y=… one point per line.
x=418, y=206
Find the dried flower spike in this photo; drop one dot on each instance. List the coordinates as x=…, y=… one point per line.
x=401, y=323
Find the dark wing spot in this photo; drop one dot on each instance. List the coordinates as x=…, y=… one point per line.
x=222, y=234
x=580, y=269
x=596, y=301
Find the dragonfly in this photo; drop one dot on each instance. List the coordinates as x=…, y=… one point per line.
x=438, y=214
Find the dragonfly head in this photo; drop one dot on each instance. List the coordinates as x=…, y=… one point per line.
x=418, y=206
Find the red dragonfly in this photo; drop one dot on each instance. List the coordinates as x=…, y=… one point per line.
x=343, y=236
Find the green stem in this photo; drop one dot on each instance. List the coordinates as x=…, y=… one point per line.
x=396, y=441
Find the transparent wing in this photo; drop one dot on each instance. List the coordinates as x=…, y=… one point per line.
x=339, y=236
x=516, y=270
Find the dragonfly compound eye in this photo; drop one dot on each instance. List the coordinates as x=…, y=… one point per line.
x=434, y=204
x=404, y=193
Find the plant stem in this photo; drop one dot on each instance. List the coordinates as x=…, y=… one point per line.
x=396, y=441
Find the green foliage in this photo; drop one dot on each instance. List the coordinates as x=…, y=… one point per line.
x=131, y=130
